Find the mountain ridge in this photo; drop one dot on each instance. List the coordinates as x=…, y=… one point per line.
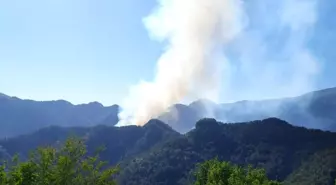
x=272, y=144
x=282, y=149
x=19, y=116
x=312, y=110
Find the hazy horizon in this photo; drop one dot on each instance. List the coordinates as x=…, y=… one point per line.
x=83, y=51
x=185, y=102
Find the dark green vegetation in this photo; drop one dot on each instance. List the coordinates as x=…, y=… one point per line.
x=120, y=143
x=156, y=154
x=68, y=165
x=223, y=173
x=271, y=144
x=312, y=110
x=318, y=169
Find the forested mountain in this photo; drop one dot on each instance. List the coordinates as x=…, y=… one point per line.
x=312, y=110
x=156, y=154
x=19, y=116
x=120, y=142
x=272, y=144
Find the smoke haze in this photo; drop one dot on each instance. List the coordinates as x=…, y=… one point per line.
x=252, y=50
x=192, y=29
x=272, y=58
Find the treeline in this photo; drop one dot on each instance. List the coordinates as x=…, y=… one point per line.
x=70, y=165
x=156, y=154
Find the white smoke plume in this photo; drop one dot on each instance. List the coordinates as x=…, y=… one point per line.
x=263, y=47
x=193, y=31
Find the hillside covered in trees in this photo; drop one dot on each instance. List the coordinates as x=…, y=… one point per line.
x=156, y=154
x=272, y=144
x=70, y=164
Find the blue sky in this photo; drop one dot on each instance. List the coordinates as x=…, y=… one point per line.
x=84, y=50
x=78, y=50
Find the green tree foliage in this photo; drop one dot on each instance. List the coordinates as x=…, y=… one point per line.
x=68, y=165
x=120, y=143
x=319, y=169
x=215, y=172
x=156, y=154
x=270, y=144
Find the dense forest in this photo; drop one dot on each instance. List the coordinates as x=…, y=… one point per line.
x=69, y=165
x=156, y=154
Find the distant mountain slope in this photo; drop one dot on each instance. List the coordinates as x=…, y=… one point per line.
x=3, y=96
x=24, y=116
x=120, y=142
x=312, y=110
x=271, y=143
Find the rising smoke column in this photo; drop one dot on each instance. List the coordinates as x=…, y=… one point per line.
x=192, y=29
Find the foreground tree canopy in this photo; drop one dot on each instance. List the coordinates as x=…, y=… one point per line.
x=68, y=165
x=215, y=172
